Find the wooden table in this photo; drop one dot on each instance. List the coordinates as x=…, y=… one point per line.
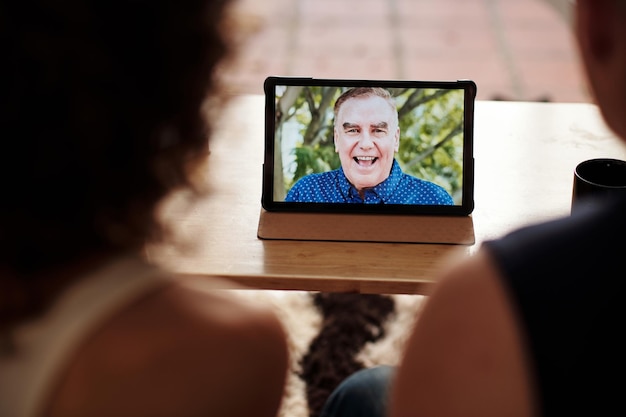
x=525, y=155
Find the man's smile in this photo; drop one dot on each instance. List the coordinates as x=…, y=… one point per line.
x=365, y=160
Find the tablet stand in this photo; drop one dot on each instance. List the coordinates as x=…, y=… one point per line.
x=366, y=227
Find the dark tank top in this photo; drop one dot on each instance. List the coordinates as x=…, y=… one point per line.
x=566, y=279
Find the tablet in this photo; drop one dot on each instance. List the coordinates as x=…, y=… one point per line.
x=369, y=146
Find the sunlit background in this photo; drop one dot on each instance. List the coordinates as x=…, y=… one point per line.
x=513, y=49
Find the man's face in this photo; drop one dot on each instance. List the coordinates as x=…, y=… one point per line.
x=367, y=137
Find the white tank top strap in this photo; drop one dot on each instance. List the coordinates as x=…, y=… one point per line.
x=43, y=346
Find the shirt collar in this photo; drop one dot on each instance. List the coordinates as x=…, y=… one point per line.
x=380, y=193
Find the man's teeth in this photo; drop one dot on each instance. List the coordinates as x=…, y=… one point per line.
x=365, y=158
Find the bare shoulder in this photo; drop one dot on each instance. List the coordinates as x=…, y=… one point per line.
x=466, y=354
x=189, y=349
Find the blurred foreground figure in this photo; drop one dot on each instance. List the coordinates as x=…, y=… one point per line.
x=101, y=119
x=532, y=324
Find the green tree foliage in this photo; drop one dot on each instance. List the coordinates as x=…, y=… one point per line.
x=431, y=135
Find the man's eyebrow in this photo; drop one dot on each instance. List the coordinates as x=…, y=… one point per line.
x=380, y=125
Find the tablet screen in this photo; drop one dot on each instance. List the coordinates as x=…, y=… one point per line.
x=368, y=146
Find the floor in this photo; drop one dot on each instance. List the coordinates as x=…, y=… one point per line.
x=513, y=49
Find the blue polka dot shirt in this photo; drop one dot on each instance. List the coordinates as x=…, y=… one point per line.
x=398, y=188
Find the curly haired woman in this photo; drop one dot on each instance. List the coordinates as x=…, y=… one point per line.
x=101, y=119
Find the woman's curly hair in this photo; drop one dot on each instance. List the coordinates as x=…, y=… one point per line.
x=100, y=118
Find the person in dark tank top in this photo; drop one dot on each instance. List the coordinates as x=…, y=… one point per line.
x=531, y=324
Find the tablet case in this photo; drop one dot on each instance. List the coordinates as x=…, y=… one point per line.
x=366, y=227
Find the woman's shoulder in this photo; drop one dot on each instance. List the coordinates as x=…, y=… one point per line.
x=191, y=347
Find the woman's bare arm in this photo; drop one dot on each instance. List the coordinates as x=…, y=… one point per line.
x=466, y=355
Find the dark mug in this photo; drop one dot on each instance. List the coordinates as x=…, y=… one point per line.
x=598, y=179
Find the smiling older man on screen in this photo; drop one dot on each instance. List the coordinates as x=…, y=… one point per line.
x=367, y=137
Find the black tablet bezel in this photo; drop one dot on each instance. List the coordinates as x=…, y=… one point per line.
x=464, y=209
